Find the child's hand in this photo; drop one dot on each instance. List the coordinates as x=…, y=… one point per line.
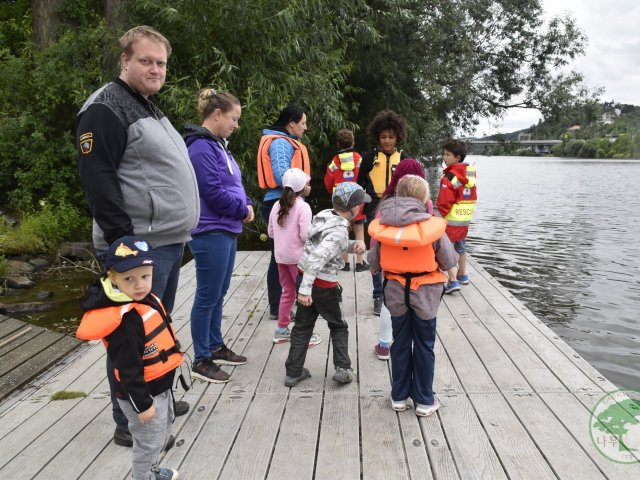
x=359, y=247
x=305, y=300
x=147, y=415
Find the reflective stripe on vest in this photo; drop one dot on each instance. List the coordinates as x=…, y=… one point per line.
x=299, y=160
x=408, y=250
x=346, y=161
x=160, y=354
x=462, y=211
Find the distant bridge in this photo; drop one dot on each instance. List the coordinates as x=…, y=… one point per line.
x=536, y=146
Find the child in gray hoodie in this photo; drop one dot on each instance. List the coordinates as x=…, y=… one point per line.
x=412, y=249
x=318, y=290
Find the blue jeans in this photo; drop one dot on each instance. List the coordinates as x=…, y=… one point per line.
x=377, y=280
x=166, y=272
x=215, y=255
x=413, y=358
x=274, y=290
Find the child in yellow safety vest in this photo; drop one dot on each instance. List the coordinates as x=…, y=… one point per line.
x=411, y=248
x=121, y=311
x=344, y=167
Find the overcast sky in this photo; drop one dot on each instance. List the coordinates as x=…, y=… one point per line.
x=611, y=60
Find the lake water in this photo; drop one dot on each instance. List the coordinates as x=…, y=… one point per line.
x=563, y=236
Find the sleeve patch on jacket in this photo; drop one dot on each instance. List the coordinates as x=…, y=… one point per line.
x=86, y=143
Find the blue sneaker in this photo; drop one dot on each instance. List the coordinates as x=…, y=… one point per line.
x=452, y=286
x=166, y=474
x=463, y=279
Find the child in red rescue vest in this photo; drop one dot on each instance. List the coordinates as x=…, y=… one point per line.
x=344, y=167
x=456, y=203
x=411, y=249
x=121, y=310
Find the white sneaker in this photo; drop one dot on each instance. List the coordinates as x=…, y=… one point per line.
x=398, y=405
x=426, y=410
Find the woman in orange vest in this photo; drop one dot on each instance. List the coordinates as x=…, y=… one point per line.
x=280, y=149
x=411, y=249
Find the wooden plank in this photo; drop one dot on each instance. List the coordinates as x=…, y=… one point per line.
x=518, y=454
x=36, y=364
x=466, y=363
x=9, y=325
x=38, y=344
x=18, y=338
x=575, y=414
x=493, y=357
x=564, y=454
x=474, y=458
x=566, y=363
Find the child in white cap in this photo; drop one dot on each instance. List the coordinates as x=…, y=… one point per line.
x=288, y=224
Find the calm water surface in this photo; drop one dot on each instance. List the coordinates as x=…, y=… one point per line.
x=563, y=235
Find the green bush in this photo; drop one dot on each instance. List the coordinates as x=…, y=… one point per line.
x=42, y=231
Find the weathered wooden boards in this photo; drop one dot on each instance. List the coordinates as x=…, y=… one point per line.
x=516, y=401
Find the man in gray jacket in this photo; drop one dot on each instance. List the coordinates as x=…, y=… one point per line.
x=136, y=173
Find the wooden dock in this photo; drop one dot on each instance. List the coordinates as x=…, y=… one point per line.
x=516, y=401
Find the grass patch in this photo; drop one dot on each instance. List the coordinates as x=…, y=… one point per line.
x=67, y=395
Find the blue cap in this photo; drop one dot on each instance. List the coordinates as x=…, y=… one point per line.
x=349, y=195
x=127, y=253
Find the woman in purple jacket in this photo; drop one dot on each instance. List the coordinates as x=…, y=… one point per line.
x=224, y=207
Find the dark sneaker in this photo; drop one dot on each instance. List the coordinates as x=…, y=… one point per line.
x=377, y=306
x=343, y=375
x=293, y=381
x=225, y=356
x=208, y=371
x=363, y=267
x=170, y=443
x=273, y=316
x=181, y=408
x=166, y=474
x=382, y=352
x=346, y=267
x=122, y=437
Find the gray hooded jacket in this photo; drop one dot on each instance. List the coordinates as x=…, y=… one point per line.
x=327, y=240
x=397, y=212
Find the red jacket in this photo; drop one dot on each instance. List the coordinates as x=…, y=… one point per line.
x=457, y=199
x=339, y=173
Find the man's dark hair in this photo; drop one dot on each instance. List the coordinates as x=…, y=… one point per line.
x=388, y=120
x=457, y=147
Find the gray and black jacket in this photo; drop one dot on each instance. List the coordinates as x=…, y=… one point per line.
x=327, y=240
x=135, y=169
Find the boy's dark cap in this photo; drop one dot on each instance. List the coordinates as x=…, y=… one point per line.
x=349, y=194
x=127, y=253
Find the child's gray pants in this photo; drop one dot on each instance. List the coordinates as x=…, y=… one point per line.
x=149, y=438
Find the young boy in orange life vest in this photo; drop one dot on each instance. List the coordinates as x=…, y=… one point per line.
x=411, y=247
x=121, y=311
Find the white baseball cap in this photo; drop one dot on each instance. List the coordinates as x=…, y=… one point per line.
x=295, y=179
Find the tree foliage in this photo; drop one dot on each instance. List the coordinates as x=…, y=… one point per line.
x=440, y=63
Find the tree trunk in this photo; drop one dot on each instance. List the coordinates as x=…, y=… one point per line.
x=115, y=16
x=45, y=22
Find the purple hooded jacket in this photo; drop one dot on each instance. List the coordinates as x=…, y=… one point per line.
x=223, y=201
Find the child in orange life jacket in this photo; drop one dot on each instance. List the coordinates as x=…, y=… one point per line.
x=344, y=167
x=121, y=310
x=456, y=203
x=411, y=249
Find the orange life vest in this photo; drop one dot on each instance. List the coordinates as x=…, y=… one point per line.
x=160, y=352
x=299, y=160
x=406, y=253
